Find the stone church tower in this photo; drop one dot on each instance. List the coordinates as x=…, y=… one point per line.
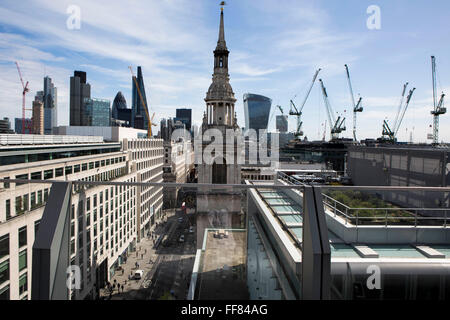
x=220, y=208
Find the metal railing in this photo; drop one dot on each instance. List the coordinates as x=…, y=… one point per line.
x=387, y=216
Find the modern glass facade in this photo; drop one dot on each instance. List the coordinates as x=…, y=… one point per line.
x=98, y=112
x=185, y=116
x=50, y=100
x=138, y=115
x=257, y=110
x=18, y=126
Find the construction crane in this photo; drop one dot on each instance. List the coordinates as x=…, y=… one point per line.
x=336, y=125
x=281, y=109
x=150, y=121
x=298, y=112
x=391, y=134
x=324, y=130
x=24, y=93
x=438, y=108
x=357, y=107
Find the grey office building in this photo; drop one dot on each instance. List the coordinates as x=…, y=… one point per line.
x=18, y=126
x=79, y=91
x=415, y=166
x=282, y=124
x=50, y=100
x=257, y=110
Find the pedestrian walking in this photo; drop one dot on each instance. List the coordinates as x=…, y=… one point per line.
x=122, y=288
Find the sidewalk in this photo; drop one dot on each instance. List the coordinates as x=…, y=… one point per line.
x=144, y=255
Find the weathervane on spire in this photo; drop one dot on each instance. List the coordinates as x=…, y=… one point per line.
x=223, y=3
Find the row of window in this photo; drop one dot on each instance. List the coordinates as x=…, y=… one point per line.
x=59, y=172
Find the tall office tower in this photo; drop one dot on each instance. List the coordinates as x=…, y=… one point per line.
x=18, y=126
x=282, y=123
x=38, y=119
x=185, y=116
x=97, y=112
x=138, y=115
x=39, y=96
x=50, y=99
x=120, y=115
x=163, y=129
x=79, y=91
x=256, y=110
x=224, y=167
x=167, y=127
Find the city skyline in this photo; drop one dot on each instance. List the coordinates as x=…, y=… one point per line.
x=275, y=56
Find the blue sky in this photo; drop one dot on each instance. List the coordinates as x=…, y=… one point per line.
x=275, y=48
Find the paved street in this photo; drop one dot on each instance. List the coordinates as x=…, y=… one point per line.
x=167, y=269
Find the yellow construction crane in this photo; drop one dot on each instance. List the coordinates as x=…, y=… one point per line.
x=150, y=121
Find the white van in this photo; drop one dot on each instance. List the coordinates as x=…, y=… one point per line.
x=138, y=274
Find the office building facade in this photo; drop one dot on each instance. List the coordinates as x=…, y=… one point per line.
x=18, y=126
x=50, y=100
x=80, y=90
x=282, y=123
x=106, y=221
x=38, y=118
x=257, y=111
x=185, y=116
x=97, y=112
x=178, y=163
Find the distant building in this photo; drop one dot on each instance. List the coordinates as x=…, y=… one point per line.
x=178, y=163
x=37, y=121
x=5, y=126
x=282, y=123
x=50, y=100
x=408, y=165
x=18, y=126
x=120, y=115
x=256, y=110
x=138, y=115
x=97, y=112
x=185, y=116
x=79, y=91
x=167, y=127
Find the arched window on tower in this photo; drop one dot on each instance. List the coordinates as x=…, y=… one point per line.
x=219, y=173
x=221, y=62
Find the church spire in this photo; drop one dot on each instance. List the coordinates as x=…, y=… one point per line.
x=221, y=44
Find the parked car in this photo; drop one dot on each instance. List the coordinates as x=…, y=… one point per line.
x=138, y=274
x=181, y=239
x=191, y=229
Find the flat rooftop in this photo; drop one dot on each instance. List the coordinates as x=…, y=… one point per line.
x=288, y=214
x=222, y=274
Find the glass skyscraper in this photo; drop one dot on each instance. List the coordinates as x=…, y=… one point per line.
x=98, y=112
x=257, y=110
x=50, y=100
x=138, y=115
x=80, y=90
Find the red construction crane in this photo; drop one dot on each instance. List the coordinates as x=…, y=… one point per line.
x=24, y=92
